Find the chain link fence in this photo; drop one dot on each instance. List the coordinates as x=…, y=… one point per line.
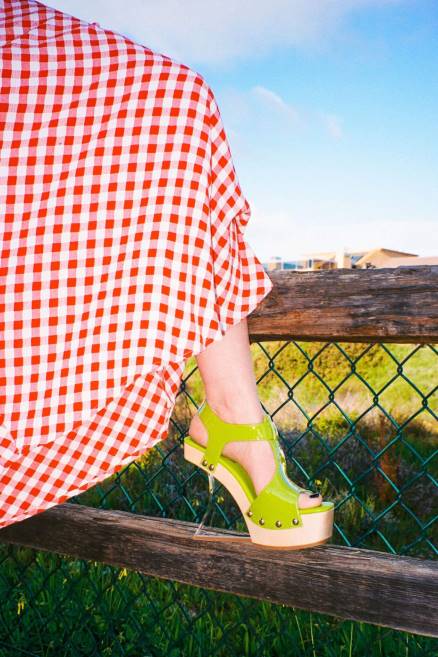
x=357, y=421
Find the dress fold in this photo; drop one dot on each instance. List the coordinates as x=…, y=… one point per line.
x=122, y=249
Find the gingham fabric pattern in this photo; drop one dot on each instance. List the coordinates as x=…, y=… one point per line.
x=122, y=249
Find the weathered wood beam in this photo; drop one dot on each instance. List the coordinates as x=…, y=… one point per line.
x=393, y=591
x=354, y=305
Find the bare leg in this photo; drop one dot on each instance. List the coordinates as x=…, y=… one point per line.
x=227, y=372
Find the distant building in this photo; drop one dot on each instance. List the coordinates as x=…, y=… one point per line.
x=344, y=259
x=387, y=258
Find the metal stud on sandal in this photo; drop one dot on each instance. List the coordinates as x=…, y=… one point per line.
x=273, y=517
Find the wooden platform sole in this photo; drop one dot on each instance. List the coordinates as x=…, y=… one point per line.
x=317, y=526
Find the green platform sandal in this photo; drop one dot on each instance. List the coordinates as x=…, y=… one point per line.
x=273, y=517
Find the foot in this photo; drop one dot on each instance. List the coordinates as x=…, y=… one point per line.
x=256, y=457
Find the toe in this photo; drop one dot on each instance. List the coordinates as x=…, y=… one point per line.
x=306, y=501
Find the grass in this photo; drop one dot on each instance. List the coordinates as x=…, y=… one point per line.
x=63, y=607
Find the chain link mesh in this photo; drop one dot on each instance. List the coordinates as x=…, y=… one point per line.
x=357, y=421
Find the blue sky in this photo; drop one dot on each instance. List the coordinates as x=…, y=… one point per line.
x=330, y=107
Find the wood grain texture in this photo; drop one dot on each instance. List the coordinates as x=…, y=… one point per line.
x=354, y=305
x=393, y=591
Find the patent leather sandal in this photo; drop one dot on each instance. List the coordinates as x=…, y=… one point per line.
x=273, y=517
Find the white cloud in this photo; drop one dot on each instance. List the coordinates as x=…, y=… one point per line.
x=276, y=101
x=332, y=122
x=196, y=32
x=273, y=103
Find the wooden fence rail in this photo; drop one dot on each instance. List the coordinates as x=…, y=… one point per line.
x=353, y=305
x=393, y=591
x=382, y=305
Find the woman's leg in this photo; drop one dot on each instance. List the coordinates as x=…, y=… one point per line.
x=227, y=372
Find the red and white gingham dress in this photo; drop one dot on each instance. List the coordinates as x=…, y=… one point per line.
x=122, y=250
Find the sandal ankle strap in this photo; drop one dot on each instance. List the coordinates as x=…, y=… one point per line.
x=220, y=433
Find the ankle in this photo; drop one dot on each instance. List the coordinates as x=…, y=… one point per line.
x=243, y=411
